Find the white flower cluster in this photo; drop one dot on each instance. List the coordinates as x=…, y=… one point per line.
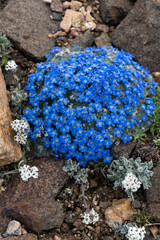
x=27, y=172
x=131, y=182
x=135, y=233
x=90, y=217
x=11, y=65
x=22, y=129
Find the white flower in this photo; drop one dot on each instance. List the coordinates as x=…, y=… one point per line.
x=27, y=172
x=11, y=65
x=131, y=182
x=135, y=233
x=22, y=129
x=90, y=217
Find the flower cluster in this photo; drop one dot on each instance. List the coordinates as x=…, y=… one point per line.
x=27, y=172
x=131, y=182
x=136, y=233
x=81, y=101
x=11, y=65
x=90, y=217
x=22, y=129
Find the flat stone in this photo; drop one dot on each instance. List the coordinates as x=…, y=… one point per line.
x=75, y=5
x=121, y=210
x=138, y=33
x=84, y=40
x=113, y=11
x=27, y=23
x=37, y=214
x=10, y=151
x=30, y=236
x=103, y=40
x=56, y=6
x=36, y=192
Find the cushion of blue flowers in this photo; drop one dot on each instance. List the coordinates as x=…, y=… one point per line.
x=83, y=100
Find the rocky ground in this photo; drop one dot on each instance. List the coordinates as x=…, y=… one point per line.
x=43, y=207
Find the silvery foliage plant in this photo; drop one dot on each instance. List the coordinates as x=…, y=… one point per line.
x=130, y=174
x=80, y=175
x=130, y=230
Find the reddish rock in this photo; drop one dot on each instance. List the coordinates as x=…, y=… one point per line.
x=121, y=210
x=37, y=214
x=103, y=40
x=10, y=151
x=36, y=192
x=27, y=24
x=113, y=11
x=75, y=32
x=66, y=5
x=138, y=33
x=56, y=6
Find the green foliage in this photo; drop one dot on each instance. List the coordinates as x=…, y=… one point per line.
x=4, y=49
x=141, y=218
x=139, y=136
x=119, y=169
x=155, y=127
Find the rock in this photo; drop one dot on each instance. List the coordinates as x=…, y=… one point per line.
x=30, y=26
x=47, y=1
x=103, y=40
x=10, y=151
x=113, y=11
x=66, y=5
x=35, y=197
x=122, y=149
x=59, y=34
x=136, y=204
x=93, y=183
x=121, y=210
x=102, y=28
x=84, y=40
x=153, y=210
x=154, y=230
x=13, y=229
x=71, y=18
x=156, y=76
x=75, y=32
x=75, y=5
x=153, y=193
x=89, y=18
x=90, y=25
x=56, y=6
x=105, y=204
x=30, y=236
x=142, y=26
x=37, y=214
x=57, y=16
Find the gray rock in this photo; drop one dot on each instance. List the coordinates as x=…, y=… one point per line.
x=36, y=197
x=153, y=211
x=27, y=23
x=138, y=33
x=103, y=40
x=56, y=6
x=136, y=204
x=122, y=149
x=113, y=11
x=13, y=229
x=153, y=193
x=84, y=40
x=57, y=16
